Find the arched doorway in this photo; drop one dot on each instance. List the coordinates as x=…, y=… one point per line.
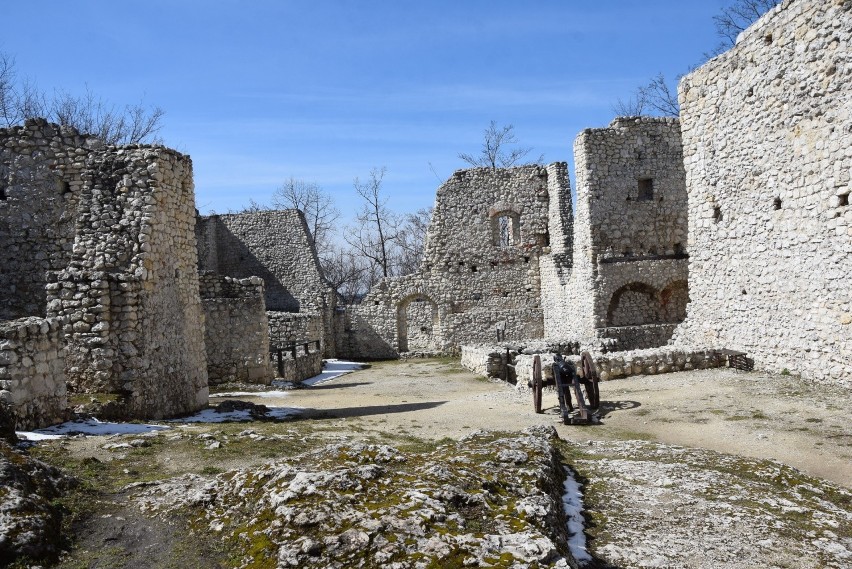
x=633, y=304
x=417, y=324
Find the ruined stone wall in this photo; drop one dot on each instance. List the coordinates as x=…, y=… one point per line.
x=287, y=327
x=32, y=378
x=40, y=181
x=627, y=265
x=480, y=270
x=276, y=246
x=767, y=129
x=111, y=229
x=236, y=329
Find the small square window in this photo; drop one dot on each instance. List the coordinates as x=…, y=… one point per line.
x=646, y=189
x=843, y=200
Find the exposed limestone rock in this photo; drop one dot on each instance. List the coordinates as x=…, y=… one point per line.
x=472, y=502
x=29, y=521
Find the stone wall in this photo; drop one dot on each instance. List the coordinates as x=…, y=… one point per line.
x=109, y=231
x=626, y=265
x=276, y=246
x=236, y=329
x=287, y=327
x=32, y=378
x=480, y=270
x=766, y=132
x=491, y=360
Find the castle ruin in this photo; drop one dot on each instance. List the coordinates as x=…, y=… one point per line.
x=729, y=229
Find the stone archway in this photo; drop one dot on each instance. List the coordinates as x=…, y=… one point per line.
x=417, y=324
x=673, y=300
x=634, y=304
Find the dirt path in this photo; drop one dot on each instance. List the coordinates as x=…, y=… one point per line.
x=749, y=414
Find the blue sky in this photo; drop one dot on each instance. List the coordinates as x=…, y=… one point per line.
x=258, y=91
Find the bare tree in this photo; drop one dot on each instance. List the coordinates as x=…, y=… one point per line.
x=412, y=240
x=347, y=272
x=657, y=98
x=736, y=18
x=377, y=228
x=318, y=207
x=21, y=100
x=496, y=151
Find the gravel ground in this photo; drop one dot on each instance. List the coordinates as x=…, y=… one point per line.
x=749, y=414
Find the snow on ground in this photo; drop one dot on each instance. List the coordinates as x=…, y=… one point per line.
x=88, y=427
x=332, y=369
x=572, y=503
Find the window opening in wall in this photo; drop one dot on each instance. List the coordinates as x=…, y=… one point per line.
x=776, y=203
x=750, y=91
x=461, y=263
x=526, y=259
x=473, y=268
x=767, y=39
x=547, y=238
x=843, y=200
x=678, y=249
x=717, y=214
x=504, y=228
x=646, y=189
x=3, y=195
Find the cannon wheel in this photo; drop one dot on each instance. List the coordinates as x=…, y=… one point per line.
x=537, y=383
x=590, y=380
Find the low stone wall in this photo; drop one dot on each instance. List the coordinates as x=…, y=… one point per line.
x=487, y=360
x=641, y=337
x=288, y=327
x=236, y=332
x=306, y=363
x=32, y=377
x=484, y=360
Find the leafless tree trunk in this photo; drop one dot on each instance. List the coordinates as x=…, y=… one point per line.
x=412, y=240
x=318, y=207
x=376, y=228
x=496, y=152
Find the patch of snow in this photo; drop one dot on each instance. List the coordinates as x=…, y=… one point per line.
x=572, y=503
x=88, y=427
x=332, y=369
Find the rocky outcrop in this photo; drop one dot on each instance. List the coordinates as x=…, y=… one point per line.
x=483, y=500
x=29, y=520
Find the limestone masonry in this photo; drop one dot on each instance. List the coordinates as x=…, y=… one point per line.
x=767, y=132
x=101, y=239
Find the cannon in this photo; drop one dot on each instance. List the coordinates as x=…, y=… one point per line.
x=567, y=378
